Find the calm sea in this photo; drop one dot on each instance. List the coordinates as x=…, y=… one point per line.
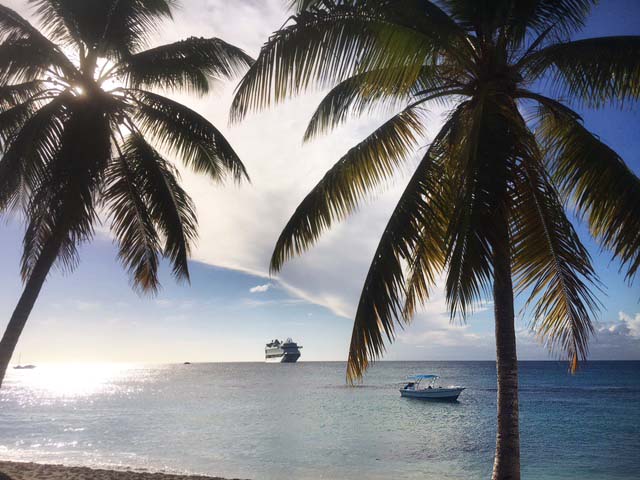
x=274, y=421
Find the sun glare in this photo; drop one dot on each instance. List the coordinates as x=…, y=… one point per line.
x=71, y=380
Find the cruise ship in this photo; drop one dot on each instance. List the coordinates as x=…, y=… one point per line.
x=282, y=352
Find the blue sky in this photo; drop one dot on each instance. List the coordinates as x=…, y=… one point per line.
x=92, y=315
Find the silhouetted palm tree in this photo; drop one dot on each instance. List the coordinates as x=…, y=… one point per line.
x=485, y=204
x=79, y=133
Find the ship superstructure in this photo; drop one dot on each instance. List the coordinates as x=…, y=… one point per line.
x=282, y=352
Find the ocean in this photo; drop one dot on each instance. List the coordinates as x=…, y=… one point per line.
x=275, y=421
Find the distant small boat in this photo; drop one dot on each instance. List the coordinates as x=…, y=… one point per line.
x=23, y=367
x=187, y=363
x=432, y=391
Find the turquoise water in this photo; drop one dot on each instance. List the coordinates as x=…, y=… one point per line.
x=279, y=421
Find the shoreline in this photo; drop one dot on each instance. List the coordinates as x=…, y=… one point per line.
x=47, y=471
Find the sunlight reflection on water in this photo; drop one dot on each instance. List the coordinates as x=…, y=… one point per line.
x=70, y=381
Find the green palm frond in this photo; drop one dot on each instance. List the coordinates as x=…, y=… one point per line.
x=170, y=208
x=603, y=188
x=594, y=71
x=362, y=93
x=418, y=221
x=322, y=47
x=348, y=182
x=185, y=65
x=188, y=135
x=550, y=261
x=132, y=222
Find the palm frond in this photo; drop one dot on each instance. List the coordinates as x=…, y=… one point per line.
x=558, y=18
x=362, y=93
x=13, y=95
x=30, y=140
x=115, y=28
x=347, y=183
x=188, y=135
x=323, y=47
x=62, y=206
x=132, y=223
x=551, y=262
x=170, y=208
x=482, y=167
x=415, y=235
x=602, y=186
x=185, y=65
x=594, y=71
x=25, y=49
x=519, y=17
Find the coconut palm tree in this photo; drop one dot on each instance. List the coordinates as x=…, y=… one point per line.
x=82, y=132
x=486, y=202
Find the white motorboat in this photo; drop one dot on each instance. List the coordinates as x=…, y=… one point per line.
x=426, y=387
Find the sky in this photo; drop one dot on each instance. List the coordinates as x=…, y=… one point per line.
x=232, y=307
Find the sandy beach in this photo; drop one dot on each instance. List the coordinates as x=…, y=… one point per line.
x=37, y=471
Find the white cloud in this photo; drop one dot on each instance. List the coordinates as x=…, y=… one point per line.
x=261, y=288
x=630, y=325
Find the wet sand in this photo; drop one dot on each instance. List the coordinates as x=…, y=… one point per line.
x=36, y=471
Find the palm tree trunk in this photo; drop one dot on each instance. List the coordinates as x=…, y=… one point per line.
x=506, y=464
x=25, y=304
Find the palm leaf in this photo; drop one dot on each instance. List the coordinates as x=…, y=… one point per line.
x=30, y=141
x=594, y=71
x=132, y=222
x=418, y=220
x=16, y=30
x=551, y=262
x=115, y=28
x=323, y=47
x=188, y=135
x=481, y=167
x=347, y=183
x=603, y=188
x=362, y=93
x=170, y=208
x=518, y=18
x=62, y=206
x=185, y=65
x=13, y=95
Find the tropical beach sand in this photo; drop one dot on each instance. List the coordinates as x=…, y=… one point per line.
x=37, y=471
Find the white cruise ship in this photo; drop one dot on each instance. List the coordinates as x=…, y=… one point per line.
x=282, y=352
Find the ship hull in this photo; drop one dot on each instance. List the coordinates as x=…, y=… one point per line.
x=286, y=358
x=282, y=352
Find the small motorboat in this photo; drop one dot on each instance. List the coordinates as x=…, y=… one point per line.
x=415, y=388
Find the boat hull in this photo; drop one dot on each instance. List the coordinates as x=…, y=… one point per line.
x=286, y=358
x=445, y=394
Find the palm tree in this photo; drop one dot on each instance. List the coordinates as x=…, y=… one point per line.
x=486, y=202
x=81, y=130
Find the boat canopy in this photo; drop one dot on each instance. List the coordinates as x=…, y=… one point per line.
x=422, y=377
